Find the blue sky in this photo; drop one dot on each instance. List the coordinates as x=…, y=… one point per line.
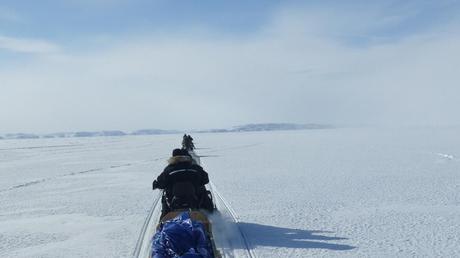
x=71, y=20
x=68, y=19
x=235, y=62
x=63, y=20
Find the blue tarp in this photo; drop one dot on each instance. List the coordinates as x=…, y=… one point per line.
x=181, y=238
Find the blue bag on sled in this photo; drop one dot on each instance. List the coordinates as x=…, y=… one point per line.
x=181, y=237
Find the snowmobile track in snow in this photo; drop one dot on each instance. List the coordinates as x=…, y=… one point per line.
x=143, y=236
x=42, y=180
x=235, y=219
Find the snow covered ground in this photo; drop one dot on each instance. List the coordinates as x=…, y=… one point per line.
x=334, y=192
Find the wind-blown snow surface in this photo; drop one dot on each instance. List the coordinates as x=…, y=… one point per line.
x=335, y=192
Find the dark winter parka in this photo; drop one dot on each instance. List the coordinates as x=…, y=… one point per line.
x=182, y=169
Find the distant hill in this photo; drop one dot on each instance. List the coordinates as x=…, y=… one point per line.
x=240, y=128
x=154, y=131
x=267, y=127
x=21, y=136
x=101, y=133
x=277, y=127
x=86, y=134
x=58, y=135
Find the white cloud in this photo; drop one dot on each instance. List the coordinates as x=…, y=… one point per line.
x=204, y=81
x=23, y=45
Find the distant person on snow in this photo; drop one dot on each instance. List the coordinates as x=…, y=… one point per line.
x=184, y=184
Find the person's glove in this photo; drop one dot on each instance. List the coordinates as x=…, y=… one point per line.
x=154, y=185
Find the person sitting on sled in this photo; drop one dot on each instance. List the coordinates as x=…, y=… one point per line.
x=184, y=184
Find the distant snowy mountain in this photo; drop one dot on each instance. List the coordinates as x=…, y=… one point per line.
x=21, y=136
x=58, y=135
x=154, y=131
x=86, y=134
x=267, y=127
x=113, y=133
x=240, y=128
x=102, y=133
x=277, y=126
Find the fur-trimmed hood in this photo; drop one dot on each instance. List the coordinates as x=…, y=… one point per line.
x=177, y=159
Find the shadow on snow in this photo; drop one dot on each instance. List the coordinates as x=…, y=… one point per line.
x=264, y=235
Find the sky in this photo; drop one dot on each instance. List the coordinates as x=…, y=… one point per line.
x=72, y=65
